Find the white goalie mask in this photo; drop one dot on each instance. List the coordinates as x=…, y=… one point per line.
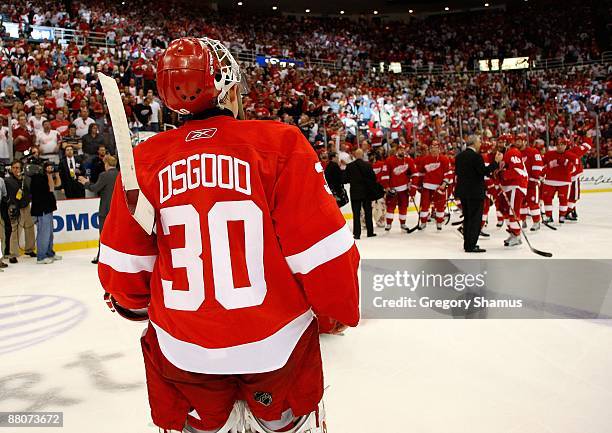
x=229, y=69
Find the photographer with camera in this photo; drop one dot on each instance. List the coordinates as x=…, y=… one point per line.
x=43, y=182
x=17, y=187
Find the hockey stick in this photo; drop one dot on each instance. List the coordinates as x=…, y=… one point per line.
x=448, y=214
x=535, y=250
x=410, y=230
x=140, y=208
x=543, y=214
x=543, y=217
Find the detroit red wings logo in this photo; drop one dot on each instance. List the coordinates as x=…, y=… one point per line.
x=432, y=167
x=400, y=169
x=199, y=134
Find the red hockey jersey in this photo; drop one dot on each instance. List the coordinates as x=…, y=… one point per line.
x=379, y=169
x=514, y=174
x=533, y=163
x=451, y=169
x=433, y=171
x=558, y=167
x=397, y=172
x=249, y=245
x=491, y=181
x=582, y=148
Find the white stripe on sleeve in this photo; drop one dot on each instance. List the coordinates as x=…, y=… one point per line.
x=123, y=262
x=322, y=252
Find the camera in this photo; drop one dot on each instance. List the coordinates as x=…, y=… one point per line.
x=34, y=165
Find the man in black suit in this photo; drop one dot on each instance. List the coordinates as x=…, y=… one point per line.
x=471, y=170
x=104, y=187
x=361, y=177
x=70, y=168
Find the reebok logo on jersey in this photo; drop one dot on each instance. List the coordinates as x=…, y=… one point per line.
x=200, y=134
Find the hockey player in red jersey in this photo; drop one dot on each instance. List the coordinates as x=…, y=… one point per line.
x=558, y=169
x=496, y=188
x=248, y=248
x=514, y=182
x=534, y=165
x=581, y=147
x=435, y=175
x=395, y=179
x=492, y=189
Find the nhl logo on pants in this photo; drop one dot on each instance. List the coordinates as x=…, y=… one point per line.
x=264, y=398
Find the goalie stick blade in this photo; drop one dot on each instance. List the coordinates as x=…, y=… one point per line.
x=457, y=223
x=140, y=208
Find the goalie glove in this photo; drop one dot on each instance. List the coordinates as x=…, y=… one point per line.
x=136, y=315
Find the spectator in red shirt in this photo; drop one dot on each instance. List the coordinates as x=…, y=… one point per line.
x=60, y=124
x=23, y=136
x=49, y=102
x=148, y=74
x=77, y=97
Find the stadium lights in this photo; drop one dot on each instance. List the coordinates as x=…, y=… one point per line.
x=486, y=5
x=341, y=12
x=274, y=8
x=375, y=12
x=239, y=3
x=307, y=11
x=446, y=8
x=410, y=11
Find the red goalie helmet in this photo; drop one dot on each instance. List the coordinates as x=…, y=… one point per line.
x=194, y=74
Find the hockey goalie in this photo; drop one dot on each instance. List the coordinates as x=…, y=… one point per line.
x=248, y=249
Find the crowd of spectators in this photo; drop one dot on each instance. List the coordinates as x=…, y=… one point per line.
x=540, y=30
x=51, y=101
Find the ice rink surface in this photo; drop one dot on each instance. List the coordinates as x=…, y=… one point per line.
x=61, y=349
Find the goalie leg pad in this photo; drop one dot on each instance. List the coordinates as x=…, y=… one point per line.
x=314, y=422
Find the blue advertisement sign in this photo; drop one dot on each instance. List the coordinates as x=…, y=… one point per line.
x=278, y=61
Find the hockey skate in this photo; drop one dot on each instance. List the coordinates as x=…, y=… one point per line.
x=422, y=226
x=499, y=224
x=561, y=220
x=535, y=227
x=403, y=226
x=572, y=216
x=512, y=241
x=524, y=225
x=387, y=227
x=439, y=226
x=547, y=220
x=484, y=234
